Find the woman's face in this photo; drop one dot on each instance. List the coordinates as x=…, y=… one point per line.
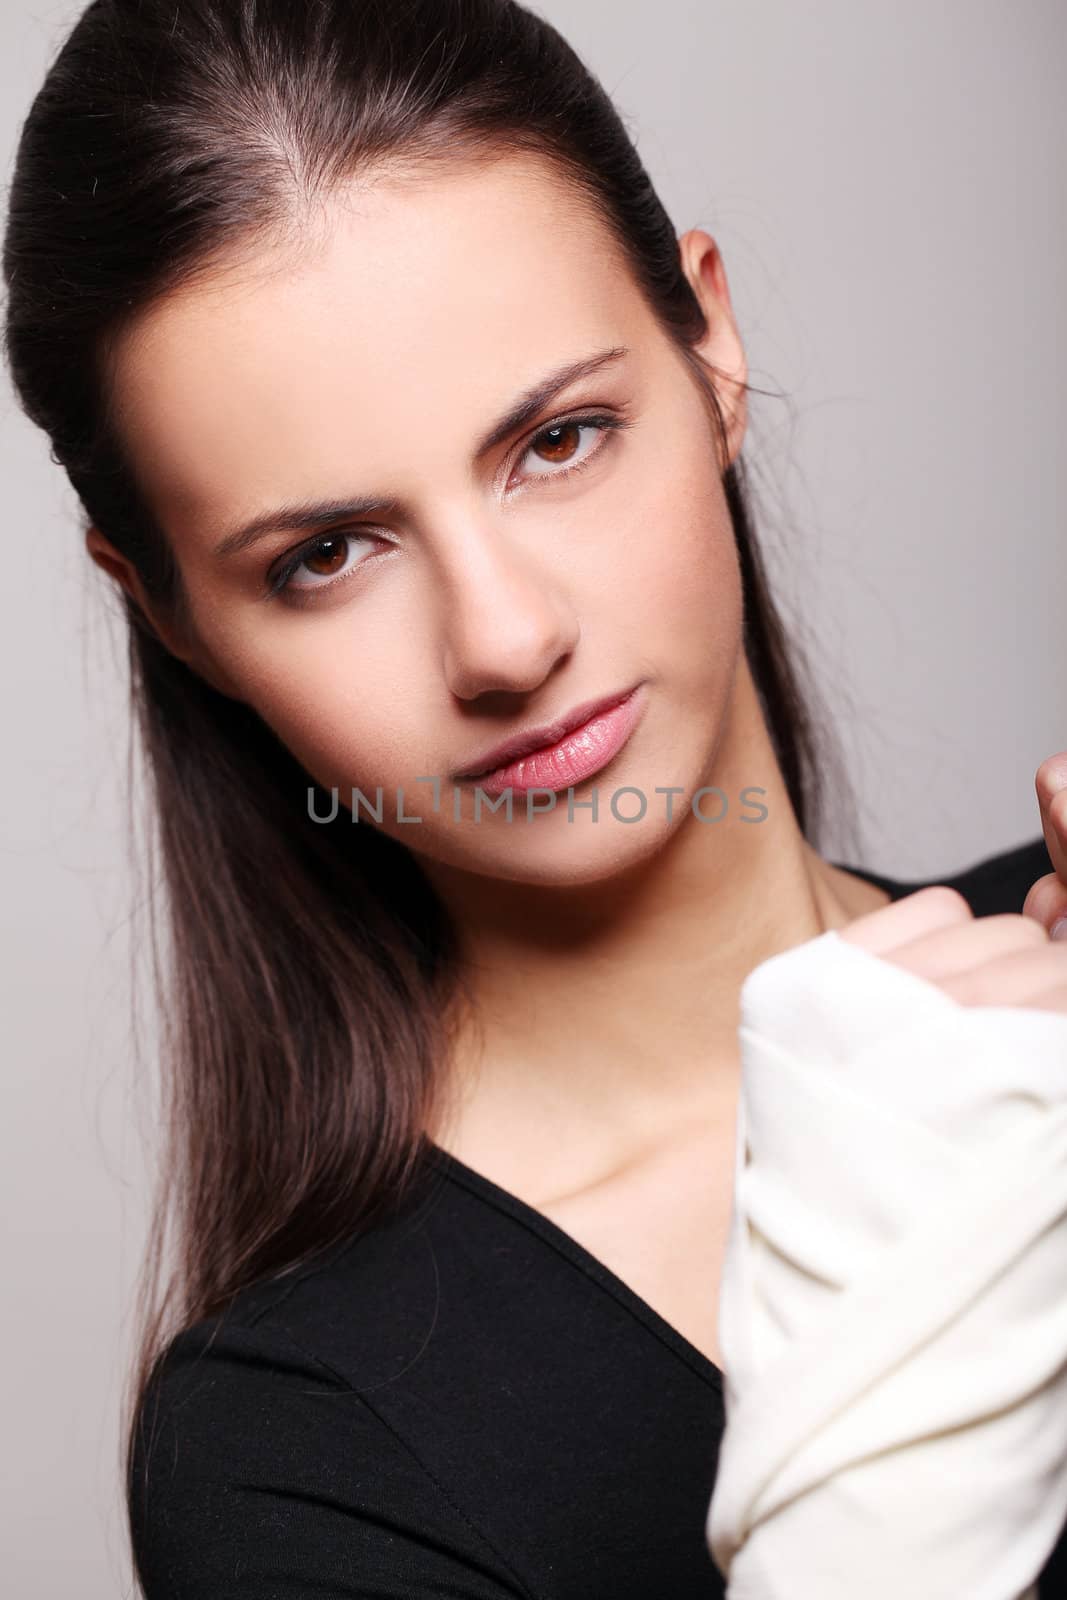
x=497, y=585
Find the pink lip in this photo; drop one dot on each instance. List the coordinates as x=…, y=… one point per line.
x=579, y=753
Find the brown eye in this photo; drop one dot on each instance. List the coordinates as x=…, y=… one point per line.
x=559, y=446
x=562, y=441
x=326, y=565
x=331, y=557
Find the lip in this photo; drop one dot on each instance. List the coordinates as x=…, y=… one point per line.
x=558, y=754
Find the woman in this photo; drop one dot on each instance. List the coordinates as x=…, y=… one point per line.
x=408, y=428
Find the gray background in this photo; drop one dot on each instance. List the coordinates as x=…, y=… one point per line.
x=887, y=184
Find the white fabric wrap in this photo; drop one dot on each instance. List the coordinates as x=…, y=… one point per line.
x=893, y=1307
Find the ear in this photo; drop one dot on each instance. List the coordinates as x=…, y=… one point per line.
x=123, y=572
x=721, y=346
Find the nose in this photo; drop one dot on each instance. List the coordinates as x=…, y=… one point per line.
x=507, y=619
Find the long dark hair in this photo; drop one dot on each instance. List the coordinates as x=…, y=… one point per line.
x=303, y=988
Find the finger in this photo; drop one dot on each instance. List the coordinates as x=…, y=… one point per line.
x=1046, y=900
x=1050, y=781
x=962, y=946
x=928, y=909
x=1011, y=980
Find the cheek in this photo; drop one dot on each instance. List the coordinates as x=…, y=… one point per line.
x=678, y=564
x=341, y=692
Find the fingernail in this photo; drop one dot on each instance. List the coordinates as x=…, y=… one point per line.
x=1058, y=929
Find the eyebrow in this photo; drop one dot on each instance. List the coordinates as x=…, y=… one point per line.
x=312, y=514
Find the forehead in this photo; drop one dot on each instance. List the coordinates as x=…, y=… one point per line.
x=411, y=312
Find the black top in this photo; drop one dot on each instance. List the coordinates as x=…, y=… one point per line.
x=462, y=1404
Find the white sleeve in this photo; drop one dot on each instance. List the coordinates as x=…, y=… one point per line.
x=893, y=1307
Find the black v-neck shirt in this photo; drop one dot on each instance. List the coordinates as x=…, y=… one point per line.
x=462, y=1403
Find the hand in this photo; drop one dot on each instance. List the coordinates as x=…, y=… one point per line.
x=1003, y=960
x=1046, y=901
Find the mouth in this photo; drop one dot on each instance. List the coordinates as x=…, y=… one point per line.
x=557, y=755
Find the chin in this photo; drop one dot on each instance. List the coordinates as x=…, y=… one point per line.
x=551, y=851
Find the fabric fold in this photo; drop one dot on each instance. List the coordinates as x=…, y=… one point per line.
x=893, y=1306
